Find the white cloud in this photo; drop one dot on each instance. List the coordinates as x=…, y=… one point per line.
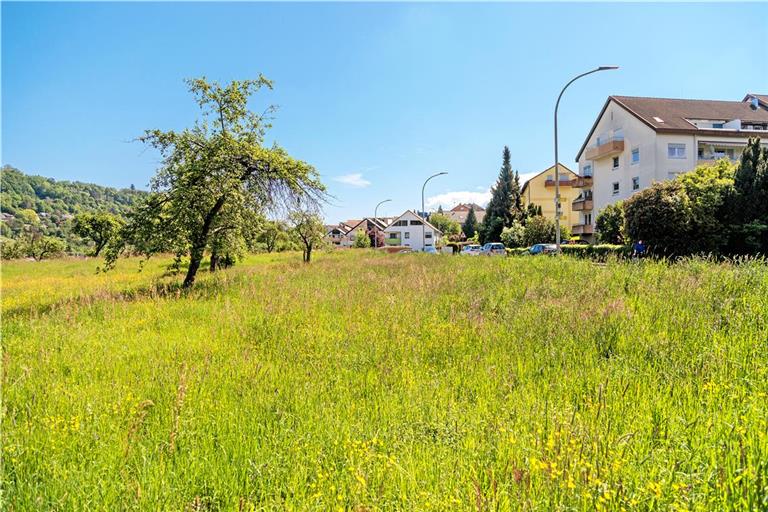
x=451, y=199
x=354, y=179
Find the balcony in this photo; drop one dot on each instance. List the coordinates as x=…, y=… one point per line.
x=582, y=229
x=582, y=181
x=605, y=147
x=581, y=205
x=392, y=241
x=564, y=182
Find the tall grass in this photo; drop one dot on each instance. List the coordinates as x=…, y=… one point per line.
x=387, y=382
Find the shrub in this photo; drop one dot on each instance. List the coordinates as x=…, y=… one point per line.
x=539, y=230
x=660, y=216
x=513, y=236
x=610, y=224
x=599, y=252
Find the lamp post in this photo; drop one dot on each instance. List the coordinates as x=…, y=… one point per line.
x=557, y=169
x=375, y=210
x=423, y=220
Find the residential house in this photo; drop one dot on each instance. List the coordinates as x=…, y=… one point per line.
x=637, y=141
x=334, y=233
x=460, y=211
x=407, y=230
x=366, y=227
x=540, y=190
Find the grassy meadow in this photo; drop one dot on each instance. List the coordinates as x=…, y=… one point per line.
x=369, y=382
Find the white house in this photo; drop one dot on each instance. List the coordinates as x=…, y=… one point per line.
x=637, y=141
x=407, y=230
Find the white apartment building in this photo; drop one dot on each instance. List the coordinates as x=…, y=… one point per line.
x=407, y=229
x=637, y=141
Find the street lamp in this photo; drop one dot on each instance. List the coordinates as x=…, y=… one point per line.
x=375, y=210
x=557, y=171
x=423, y=220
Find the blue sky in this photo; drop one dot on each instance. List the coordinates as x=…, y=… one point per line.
x=376, y=96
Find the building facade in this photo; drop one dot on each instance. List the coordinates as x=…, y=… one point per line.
x=407, y=230
x=540, y=191
x=638, y=141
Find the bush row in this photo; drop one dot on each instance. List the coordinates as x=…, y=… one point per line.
x=597, y=252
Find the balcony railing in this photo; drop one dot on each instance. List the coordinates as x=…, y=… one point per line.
x=392, y=241
x=582, y=181
x=565, y=181
x=582, y=229
x=580, y=205
x=606, y=147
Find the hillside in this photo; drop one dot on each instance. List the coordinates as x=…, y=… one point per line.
x=44, y=204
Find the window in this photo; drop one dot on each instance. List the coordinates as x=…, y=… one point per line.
x=636, y=183
x=407, y=235
x=717, y=125
x=394, y=236
x=428, y=234
x=401, y=223
x=615, y=162
x=676, y=151
x=416, y=223
x=587, y=218
x=615, y=187
x=636, y=156
x=587, y=170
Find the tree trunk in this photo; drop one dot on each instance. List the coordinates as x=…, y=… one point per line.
x=214, y=261
x=308, y=254
x=198, y=247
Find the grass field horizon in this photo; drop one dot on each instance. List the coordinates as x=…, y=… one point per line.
x=366, y=381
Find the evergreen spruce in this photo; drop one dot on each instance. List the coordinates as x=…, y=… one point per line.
x=505, y=206
x=470, y=226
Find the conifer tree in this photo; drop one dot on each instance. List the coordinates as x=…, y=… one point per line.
x=505, y=206
x=470, y=225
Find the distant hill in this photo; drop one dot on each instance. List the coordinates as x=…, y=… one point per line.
x=34, y=202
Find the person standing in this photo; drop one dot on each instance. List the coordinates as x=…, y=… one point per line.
x=638, y=249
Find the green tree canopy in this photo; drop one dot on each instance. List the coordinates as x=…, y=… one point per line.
x=445, y=224
x=539, y=230
x=309, y=230
x=216, y=177
x=100, y=228
x=610, y=224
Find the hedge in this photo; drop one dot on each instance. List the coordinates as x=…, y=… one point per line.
x=596, y=252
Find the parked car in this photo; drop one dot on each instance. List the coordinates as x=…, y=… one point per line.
x=430, y=250
x=493, y=249
x=405, y=251
x=471, y=250
x=543, y=249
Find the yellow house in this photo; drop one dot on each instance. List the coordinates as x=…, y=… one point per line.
x=540, y=190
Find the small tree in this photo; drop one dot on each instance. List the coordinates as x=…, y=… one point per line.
x=470, y=226
x=660, y=216
x=309, y=230
x=42, y=247
x=513, y=236
x=445, y=224
x=610, y=224
x=539, y=230
x=274, y=234
x=362, y=239
x=100, y=228
x=215, y=177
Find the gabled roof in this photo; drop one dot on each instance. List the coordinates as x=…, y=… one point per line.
x=563, y=169
x=416, y=215
x=669, y=115
x=466, y=206
x=762, y=99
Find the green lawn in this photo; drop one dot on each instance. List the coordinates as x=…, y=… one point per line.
x=369, y=382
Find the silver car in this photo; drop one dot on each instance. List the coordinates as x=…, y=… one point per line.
x=493, y=249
